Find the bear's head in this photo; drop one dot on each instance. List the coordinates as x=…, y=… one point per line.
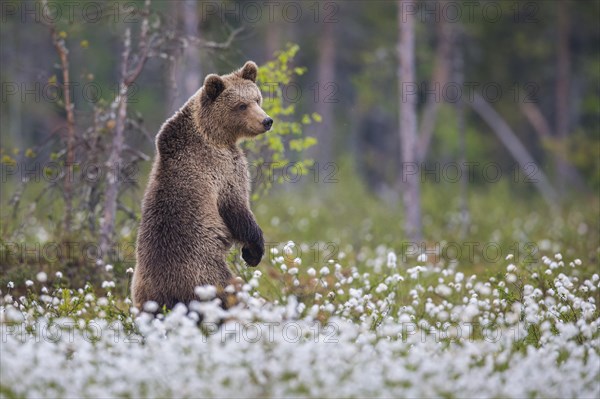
x=230, y=106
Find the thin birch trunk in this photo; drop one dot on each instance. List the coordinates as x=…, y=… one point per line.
x=411, y=194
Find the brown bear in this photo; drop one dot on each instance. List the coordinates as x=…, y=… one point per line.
x=196, y=204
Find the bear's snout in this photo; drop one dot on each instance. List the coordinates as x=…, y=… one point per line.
x=267, y=123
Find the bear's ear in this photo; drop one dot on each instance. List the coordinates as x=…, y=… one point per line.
x=248, y=71
x=213, y=86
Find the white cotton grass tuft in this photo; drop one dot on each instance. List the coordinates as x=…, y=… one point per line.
x=150, y=307
x=333, y=322
x=288, y=249
x=381, y=288
x=392, y=260
x=206, y=292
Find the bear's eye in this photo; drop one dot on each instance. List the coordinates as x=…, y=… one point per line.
x=243, y=107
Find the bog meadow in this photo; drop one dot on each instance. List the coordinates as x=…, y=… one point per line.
x=428, y=194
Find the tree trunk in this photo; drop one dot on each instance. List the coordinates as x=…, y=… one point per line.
x=173, y=63
x=273, y=38
x=190, y=70
x=411, y=195
x=114, y=160
x=63, y=53
x=183, y=72
x=562, y=91
x=326, y=87
x=462, y=140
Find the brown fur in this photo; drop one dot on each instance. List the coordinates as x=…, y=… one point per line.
x=196, y=204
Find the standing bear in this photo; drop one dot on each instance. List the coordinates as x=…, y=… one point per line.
x=196, y=204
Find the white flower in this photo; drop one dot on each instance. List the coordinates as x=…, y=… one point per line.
x=129, y=271
x=324, y=271
x=108, y=268
x=206, y=292
x=509, y=256
x=391, y=260
x=381, y=288
x=108, y=284
x=443, y=290
x=577, y=262
x=29, y=283
x=58, y=275
x=10, y=284
x=41, y=277
x=293, y=271
x=511, y=268
x=511, y=278
x=288, y=248
x=150, y=306
x=311, y=272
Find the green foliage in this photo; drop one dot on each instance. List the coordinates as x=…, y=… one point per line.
x=284, y=143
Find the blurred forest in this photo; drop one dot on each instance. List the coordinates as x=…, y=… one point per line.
x=430, y=117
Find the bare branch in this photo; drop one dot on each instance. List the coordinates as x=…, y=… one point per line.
x=536, y=118
x=140, y=65
x=541, y=126
x=216, y=45
x=139, y=154
x=515, y=147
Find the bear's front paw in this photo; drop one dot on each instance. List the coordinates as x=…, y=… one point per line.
x=253, y=254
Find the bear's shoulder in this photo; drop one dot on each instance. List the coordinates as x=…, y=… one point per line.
x=175, y=134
